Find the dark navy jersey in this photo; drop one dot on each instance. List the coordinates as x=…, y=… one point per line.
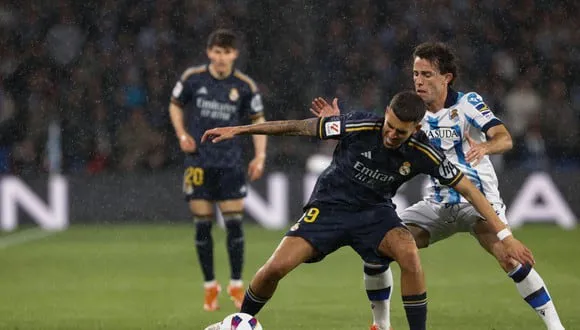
x=364, y=172
x=208, y=102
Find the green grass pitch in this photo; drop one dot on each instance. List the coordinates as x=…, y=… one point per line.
x=146, y=277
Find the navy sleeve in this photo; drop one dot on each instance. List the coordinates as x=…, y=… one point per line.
x=252, y=105
x=182, y=93
x=434, y=161
x=337, y=127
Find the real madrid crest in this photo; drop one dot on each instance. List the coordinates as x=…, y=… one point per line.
x=405, y=169
x=234, y=94
x=453, y=114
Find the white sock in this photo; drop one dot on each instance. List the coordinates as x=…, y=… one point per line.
x=236, y=283
x=379, y=288
x=209, y=284
x=533, y=289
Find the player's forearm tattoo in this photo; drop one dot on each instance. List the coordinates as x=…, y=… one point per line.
x=286, y=127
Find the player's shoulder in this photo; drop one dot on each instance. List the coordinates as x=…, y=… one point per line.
x=470, y=100
x=419, y=143
x=246, y=80
x=193, y=71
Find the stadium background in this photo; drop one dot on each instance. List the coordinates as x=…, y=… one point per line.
x=84, y=83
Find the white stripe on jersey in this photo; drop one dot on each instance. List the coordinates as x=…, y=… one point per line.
x=446, y=130
x=369, y=123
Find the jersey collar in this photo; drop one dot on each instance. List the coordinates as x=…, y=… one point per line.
x=452, y=97
x=224, y=78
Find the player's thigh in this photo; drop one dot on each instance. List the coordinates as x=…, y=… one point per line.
x=426, y=223
x=201, y=207
x=399, y=245
x=422, y=237
x=231, y=205
x=368, y=229
x=230, y=184
x=324, y=228
x=291, y=252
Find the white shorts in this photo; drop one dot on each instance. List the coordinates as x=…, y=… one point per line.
x=444, y=220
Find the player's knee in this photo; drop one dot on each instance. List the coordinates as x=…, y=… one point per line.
x=505, y=261
x=408, y=259
x=375, y=269
x=508, y=264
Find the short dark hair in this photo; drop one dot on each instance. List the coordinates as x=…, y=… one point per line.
x=408, y=106
x=440, y=55
x=222, y=38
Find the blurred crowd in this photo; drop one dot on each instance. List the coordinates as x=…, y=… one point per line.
x=84, y=86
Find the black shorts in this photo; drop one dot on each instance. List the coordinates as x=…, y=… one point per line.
x=214, y=184
x=329, y=229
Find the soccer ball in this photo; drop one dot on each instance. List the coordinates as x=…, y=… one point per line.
x=240, y=321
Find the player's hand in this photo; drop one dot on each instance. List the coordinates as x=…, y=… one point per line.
x=256, y=167
x=518, y=251
x=187, y=143
x=321, y=108
x=476, y=151
x=219, y=134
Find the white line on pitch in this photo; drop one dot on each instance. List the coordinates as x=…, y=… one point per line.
x=24, y=236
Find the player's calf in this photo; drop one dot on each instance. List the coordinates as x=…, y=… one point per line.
x=204, y=246
x=291, y=252
x=399, y=244
x=528, y=282
x=235, y=245
x=534, y=291
x=379, y=284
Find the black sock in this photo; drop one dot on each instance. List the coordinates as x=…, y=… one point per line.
x=235, y=243
x=204, y=245
x=252, y=304
x=416, y=309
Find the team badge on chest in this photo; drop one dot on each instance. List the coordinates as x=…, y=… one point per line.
x=405, y=169
x=454, y=115
x=234, y=94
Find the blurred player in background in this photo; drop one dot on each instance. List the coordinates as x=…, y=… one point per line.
x=207, y=96
x=351, y=203
x=466, y=131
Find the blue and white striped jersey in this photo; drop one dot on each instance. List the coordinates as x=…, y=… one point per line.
x=463, y=114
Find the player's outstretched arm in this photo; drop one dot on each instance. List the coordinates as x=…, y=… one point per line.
x=515, y=249
x=306, y=127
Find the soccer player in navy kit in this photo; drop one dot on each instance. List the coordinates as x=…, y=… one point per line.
x=207, y=96
x=351, y=202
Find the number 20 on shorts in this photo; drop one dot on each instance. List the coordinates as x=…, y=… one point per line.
x=193, y=177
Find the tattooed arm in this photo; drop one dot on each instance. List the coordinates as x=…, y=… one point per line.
x=305, y=127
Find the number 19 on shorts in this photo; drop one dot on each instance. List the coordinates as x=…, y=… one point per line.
x=311, y=214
